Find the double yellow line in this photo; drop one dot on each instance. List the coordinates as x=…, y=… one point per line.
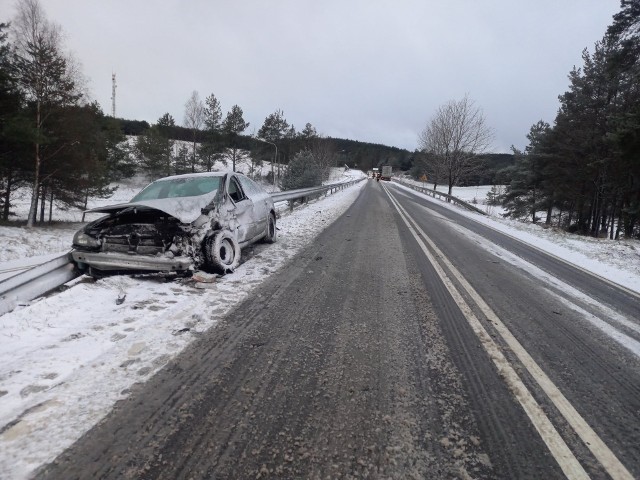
x=556, y=445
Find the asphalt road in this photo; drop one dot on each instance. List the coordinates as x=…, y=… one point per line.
x=356, y=361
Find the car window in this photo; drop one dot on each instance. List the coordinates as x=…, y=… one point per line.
x=235, y=191
x=178, y=187
x=249, y=186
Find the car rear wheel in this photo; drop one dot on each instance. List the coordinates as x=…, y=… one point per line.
x=222, y=252
x=272, y=232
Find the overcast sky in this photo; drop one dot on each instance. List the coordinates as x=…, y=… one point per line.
x=368, y=70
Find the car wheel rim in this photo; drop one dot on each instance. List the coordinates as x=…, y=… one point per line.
x=226, y=252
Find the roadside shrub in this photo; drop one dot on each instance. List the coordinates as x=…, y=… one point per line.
x=302, y=172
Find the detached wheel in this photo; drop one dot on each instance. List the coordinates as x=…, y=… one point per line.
x=222, y=252
x=272, y=232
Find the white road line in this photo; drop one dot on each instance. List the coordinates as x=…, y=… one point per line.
x=603, y=321
x=557, y=446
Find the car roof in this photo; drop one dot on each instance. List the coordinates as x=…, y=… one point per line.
x=196, y=175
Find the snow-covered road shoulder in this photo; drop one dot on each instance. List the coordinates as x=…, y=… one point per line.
x=65, y=360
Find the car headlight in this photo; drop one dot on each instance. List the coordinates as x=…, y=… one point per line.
x=83, y=240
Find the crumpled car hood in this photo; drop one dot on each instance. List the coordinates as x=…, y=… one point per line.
x=185, y=209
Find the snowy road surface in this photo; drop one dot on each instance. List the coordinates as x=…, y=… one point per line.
x=403, y=343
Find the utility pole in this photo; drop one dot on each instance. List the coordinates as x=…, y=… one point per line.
x=113, y=95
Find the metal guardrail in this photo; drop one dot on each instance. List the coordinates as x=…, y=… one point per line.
x=446, y=196
x=304, y=193
x=36, y=281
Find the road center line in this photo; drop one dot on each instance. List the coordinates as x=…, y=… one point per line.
x=557, y=446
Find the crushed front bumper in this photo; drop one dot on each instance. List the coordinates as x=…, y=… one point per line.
x=123, y=261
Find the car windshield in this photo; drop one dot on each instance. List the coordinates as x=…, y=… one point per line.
x=178, y=187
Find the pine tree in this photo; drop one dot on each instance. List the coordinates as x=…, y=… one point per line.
x=274, y=130
x=624, y=34
x=302, y=171
x=14, y=128
x=584, y=169
x=211, y=148
x=213, y=114
x=87, y=169
x=233, y=125
x=45, y=78
x=181, y=162
x=155, y=148
x=308, y=135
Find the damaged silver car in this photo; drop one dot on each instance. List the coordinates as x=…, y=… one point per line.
x=178, y=224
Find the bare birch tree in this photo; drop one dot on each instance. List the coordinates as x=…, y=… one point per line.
x=324, y=155
x=194, y=117
x=454, y=138
x=211, y=147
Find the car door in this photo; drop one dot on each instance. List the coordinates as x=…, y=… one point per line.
x=260, y=204
x=242, y=211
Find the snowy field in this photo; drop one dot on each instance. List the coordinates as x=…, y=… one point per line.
x=65, y=360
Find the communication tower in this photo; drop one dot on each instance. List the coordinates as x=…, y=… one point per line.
x=113, y=95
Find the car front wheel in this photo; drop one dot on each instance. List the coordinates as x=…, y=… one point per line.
x=222, y=252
